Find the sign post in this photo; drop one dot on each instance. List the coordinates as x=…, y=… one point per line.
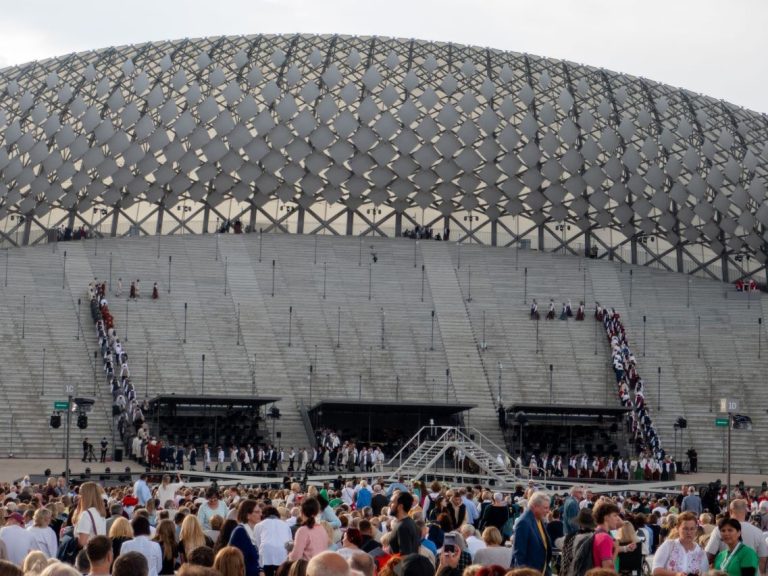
x=728, y=406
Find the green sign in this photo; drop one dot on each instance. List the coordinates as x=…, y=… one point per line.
x=721, y=421
x=60, y=405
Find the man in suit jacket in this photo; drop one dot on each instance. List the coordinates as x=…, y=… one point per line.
x=532, y=546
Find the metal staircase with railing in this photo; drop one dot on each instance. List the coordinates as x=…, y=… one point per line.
x=422, y=454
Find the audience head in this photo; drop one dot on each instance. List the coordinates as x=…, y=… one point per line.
x=201, y=556
x=328, y=564
x=140, y=526
x=121, y=528
x=230, y=562
x=34, y=563
x=297, y=568
x=130, y=564
x=492, y=536
x=99, y=550
x=59, y=569
x=416, y=565
x=363, y=563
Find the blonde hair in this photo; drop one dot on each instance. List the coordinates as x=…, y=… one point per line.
x=492, y=536
x=42, y=517
x=191, y=534
x=60, y=569
x=627, y=533
x=90, y=497
x=34, y=563
x=121, y=528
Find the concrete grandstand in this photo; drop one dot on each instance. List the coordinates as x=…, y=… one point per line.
x=550, y=179
x=694, y=374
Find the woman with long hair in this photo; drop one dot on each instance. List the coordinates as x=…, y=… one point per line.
x=165, y=535
x=229, y=562
x=120, y=532
x=90, y=515
x=248, y=515
x=311, y=538
x=225, y=533
x=191, y=536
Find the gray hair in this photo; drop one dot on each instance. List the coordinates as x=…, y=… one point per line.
x=538, y=498
x=575, y=489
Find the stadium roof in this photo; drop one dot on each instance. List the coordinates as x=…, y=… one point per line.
x=475, y=137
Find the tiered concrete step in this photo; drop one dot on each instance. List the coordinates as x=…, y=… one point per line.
x=49, y=321
x=258, y=334
x=672, y=305
x=470, y=382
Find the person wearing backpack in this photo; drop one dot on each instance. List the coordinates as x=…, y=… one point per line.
x=532, y=547
x=576, y=557
x=605, y=549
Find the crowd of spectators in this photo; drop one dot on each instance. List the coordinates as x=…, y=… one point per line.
x=352, y=528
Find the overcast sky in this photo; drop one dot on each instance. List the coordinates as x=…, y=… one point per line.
x=714, y=47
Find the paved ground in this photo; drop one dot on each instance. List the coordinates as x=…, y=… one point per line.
x=14, y=468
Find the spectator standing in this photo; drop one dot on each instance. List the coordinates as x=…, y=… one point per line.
x=141, y=490
x=692, y=502
x=406, y=537
x=270, y=536
x=44, y=537
x=605, y=549
x=144, y=546
x=90, y=515
x=211, y=507
x=571, y=510
x=682, y=554
x=165, y=536
x=738, y=559
x=248, y=514
x=494, y=552
x=18, y=541
x=311, y=538
x=751, y=536
x=532, y=548
x=99, y=553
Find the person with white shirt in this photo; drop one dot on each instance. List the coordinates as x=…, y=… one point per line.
x=167, y=490
x=683, y=554
x=90, y=515
x=270, y=536
x=18, y=541
x=42, y=533
x=143, y=545
x=470, y=537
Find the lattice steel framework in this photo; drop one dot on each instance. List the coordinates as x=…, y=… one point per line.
x=369, y=135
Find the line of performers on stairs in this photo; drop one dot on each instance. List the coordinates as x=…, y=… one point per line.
x=566, y=311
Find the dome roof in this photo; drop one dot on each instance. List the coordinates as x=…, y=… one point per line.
x=389, y=122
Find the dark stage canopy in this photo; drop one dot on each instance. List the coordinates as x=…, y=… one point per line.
x=215, y=419
x=386, y=421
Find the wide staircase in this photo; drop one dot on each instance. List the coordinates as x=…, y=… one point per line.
x=449, y=451
x=366, y=330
